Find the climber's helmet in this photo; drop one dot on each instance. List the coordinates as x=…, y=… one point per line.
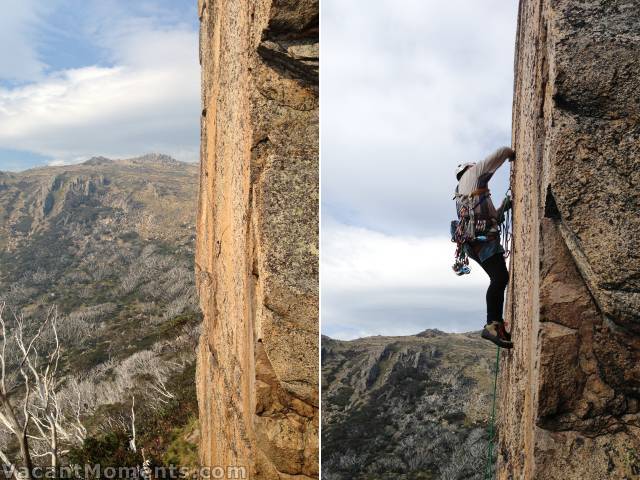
x=460, y=169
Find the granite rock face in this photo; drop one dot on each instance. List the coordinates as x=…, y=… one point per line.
x=257, y=246
x=571, y=385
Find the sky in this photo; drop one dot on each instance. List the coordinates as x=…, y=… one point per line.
x=84, y=78
x=409, y=89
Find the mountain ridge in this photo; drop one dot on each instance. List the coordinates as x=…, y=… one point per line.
x=427, y=333
x=99, y=160
x=414, y=406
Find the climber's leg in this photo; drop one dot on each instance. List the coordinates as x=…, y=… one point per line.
x=496, y=268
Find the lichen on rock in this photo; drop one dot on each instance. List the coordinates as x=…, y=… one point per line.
x=570, y=387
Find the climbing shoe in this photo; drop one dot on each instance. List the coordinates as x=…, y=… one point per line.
x=502, y=331
x=495, y=332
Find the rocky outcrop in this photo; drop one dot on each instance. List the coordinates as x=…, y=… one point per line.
x=571, y=385
x=145, y=197
x=109, y=247
x=408, y=407
x=257, y=246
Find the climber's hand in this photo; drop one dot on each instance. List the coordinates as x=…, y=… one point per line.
x=512, y=157
x=506, y=204
x=504, y=208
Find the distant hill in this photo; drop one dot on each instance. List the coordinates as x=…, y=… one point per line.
x=110, y=243
x=414, y=407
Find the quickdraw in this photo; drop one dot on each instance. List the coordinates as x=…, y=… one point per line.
x=506, y=231
x=467, y=228
x=461, y=264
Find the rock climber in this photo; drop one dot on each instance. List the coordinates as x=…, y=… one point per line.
x=484, y=245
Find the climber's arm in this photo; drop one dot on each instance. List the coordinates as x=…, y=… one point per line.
x=485, y=169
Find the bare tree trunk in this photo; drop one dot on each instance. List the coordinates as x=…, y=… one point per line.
x=39, y=405
x=54, y=448
x=21, y=436
x=23, y=441
x=132, y=443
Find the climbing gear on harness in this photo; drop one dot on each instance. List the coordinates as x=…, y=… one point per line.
x=488, y=471
x=469, y=227
x=505, y=222
x=461, y=260
x=461, y=263
x=496, y=333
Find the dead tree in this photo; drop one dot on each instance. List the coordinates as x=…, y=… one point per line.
x=32, y=408
x=39, y=371
x=14, y=418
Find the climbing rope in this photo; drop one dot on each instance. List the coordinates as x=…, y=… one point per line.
x=488, y=472
x=507, y=240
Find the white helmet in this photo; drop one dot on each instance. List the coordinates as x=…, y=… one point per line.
x=460, y=169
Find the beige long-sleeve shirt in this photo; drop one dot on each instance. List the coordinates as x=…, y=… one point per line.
x=477, y=177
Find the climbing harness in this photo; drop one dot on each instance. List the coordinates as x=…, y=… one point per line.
x=489, y=471
x=470, y=228
x=467, y=228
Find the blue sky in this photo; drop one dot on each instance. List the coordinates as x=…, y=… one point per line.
x=409, y=89
x=97, y=77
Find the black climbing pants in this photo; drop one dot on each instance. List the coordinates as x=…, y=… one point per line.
x=496, y=268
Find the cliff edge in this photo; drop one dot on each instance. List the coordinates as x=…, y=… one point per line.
x=570, y=387
x=257, y=246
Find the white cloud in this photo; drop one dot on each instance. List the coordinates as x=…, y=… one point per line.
x=19, y=60
x=147, y=100
x=373, y=283
x=410, y=89
x=358, y=259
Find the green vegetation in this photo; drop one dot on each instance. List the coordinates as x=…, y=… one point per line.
x=110, y=450
x=417, y=416
x=111, y=245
